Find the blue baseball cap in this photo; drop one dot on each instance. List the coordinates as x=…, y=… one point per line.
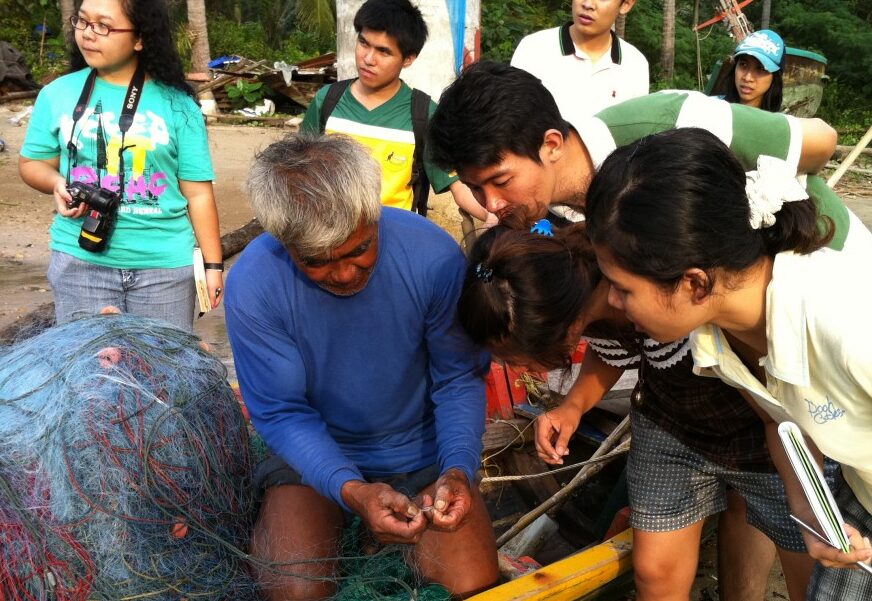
x=764, y=45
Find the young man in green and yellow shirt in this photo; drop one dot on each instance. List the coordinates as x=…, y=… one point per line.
x=376, y=108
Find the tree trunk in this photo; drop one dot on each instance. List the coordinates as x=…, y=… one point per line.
x=199, y=34
x=764, y=18
x=667, y=56
x=200, y=55
x=68, y=9
x=620, y=25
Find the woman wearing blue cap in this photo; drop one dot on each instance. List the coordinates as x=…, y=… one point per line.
x=756, y=77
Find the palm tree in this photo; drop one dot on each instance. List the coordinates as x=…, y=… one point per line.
x=314, y=16
x=317, y=16
x=199, y=35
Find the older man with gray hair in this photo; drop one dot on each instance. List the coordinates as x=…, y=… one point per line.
x=342, y=320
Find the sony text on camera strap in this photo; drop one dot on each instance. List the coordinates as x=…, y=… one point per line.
x=131, y=101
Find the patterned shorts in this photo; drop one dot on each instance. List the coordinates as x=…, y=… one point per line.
x=672, y=486
x=829, y=584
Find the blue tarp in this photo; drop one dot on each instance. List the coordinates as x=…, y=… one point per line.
x=457, y=18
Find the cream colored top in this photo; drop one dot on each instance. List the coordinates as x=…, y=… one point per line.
x=819, y=362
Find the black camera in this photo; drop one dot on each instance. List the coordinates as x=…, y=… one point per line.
x=100, y=218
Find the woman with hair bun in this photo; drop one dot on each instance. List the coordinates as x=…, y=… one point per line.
x=123, y=132
x=529, y=297
x=746, y=267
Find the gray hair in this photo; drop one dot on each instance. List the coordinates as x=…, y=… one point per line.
x=312, y=192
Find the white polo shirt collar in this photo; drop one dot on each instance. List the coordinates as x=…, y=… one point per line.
x=567, y=46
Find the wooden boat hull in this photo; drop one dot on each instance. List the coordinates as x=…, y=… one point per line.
x=803, y=81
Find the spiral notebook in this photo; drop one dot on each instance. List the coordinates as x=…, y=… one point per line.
x=816, y=491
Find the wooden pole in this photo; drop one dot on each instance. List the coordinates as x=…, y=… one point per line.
x=18, y=96
x=849, y=160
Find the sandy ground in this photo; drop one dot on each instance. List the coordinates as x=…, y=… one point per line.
x=25, y=216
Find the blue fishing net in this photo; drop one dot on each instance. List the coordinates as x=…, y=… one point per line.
x=125, y=474
x=124, y=467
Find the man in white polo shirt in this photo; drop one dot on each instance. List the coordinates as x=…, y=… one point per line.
x=584, y=64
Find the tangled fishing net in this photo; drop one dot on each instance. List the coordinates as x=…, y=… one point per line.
x=124, y=467
x=380, y=576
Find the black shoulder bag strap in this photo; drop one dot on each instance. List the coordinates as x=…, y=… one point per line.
x=331, y=99
x=81, y=105
x=131, y=101
x=419, y=183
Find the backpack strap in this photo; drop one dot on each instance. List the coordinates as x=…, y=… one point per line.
x=419, y=183
x=331, y=99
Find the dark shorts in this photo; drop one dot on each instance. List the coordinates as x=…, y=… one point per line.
x=830, y=584
x=672, y=486
x=273, y=471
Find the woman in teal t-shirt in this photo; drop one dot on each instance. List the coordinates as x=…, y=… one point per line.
x=157, y=170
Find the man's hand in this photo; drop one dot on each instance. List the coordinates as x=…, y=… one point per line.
x=831, y=557
x=389, y=515
x=451, y=503
x=553, y=431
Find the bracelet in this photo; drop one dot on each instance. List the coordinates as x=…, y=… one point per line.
x=214, y=266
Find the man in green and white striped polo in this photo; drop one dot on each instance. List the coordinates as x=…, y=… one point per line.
x=500, y=129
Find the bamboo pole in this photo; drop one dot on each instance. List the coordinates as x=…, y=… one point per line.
x=580, y=478
x=849, y=160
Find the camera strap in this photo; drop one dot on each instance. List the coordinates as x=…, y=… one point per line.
x=131, y=102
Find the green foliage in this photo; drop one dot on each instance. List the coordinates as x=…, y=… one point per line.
x=316, y=17
x=644, y=29
x=846, y=109
x=249, y=40
x=17, y=28
x=184, y=44
x=829, y=27
x=281, y=19
x=245, y=93
x=505, y=22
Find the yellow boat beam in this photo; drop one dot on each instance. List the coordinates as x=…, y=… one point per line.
x=570, y=578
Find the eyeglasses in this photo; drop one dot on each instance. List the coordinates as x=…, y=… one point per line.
x=98, y=28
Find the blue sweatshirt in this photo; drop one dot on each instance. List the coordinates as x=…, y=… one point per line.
x=378, y=383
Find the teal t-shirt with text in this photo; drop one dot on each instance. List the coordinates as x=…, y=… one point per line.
x=165, y=144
